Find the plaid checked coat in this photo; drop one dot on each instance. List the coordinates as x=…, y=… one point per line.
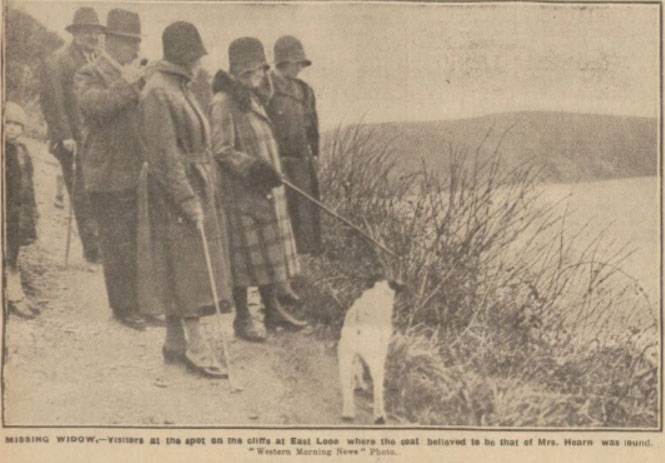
x=263, y=249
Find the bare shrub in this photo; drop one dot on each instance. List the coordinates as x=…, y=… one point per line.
x=500, y=292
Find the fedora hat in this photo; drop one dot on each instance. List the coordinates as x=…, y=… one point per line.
x=288, y=49
x=85, y=19
x=246, y=54
x=123, y=23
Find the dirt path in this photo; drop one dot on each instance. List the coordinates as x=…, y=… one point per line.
x=74, y=365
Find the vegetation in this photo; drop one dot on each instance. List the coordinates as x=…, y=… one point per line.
x=27, y=42
x=510, y=318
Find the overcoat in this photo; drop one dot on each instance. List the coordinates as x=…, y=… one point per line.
x=111, y=152
x=262, y=245
x=57, y=97
x=179, y=174
x=292, y=108
x=20, y=205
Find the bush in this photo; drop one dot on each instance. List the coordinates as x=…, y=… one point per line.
x=27, y=42
x=509, y=318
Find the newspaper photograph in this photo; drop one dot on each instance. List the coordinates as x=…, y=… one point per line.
x=338, y=230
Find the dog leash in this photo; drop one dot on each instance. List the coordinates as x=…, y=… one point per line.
x=338, y=217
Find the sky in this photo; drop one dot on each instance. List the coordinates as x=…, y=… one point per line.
x=394, y=61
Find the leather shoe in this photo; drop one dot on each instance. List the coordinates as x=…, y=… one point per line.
x=286, y=295
x=132, y=320
x=21, y=309
x=205, y=368
x=279, y=318
x=173, y=356
x=289, y=299
x=247, y=329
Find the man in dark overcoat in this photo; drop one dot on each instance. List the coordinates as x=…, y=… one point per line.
x=108, y=92
x=65, y=134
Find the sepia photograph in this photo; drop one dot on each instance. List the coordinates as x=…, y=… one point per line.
x=332, y=215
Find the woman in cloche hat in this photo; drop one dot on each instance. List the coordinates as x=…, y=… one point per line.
x=180, y=182
x=263, y=251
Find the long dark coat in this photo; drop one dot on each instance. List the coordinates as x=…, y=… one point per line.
x=111, y=152
x=263, y=250
x=179, y=174
x=292, y=108
x=57, y=96
x=20, y=206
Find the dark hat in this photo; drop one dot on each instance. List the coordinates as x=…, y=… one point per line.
x=123, y=23
x=85, y=19
x=182, y=43
x=288, y=49
x=246, y=54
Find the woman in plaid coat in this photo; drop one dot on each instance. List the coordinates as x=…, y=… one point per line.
x=263, y=251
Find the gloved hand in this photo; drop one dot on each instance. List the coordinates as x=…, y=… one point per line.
x=193, y=212
x=265, y=175
x=69, y=145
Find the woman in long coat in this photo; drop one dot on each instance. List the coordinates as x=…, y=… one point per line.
x=292, y=108
x=263, y=251
x=182, y=182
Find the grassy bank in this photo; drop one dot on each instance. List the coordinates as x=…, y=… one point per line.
x=511, y=316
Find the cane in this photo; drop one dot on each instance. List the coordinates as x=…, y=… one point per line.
x=337, y=216
x=70, y=217
x=234, y=387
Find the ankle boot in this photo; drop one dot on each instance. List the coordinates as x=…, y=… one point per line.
x=175, y=344
x=275, y=313
x=286, y=295
x=244, y=325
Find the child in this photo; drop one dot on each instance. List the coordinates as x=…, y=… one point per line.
x=20, y=207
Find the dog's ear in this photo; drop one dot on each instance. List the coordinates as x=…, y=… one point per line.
x=396, y=285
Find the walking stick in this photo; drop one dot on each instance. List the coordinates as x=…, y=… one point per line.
x=70, y=216
x=337, y=216
x=234, y=387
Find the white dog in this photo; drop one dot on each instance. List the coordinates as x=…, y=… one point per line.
x=365, y=338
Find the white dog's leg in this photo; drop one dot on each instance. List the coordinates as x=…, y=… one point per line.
x=359, y=375
x=377, y=370
x=345, y=360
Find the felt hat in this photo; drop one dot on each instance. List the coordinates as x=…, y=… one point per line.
x=123, y=23
x=182, y=43
x=288, y=49
x=85, y=19
x=246, y=54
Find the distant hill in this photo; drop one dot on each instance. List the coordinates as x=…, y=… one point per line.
x=567, y=146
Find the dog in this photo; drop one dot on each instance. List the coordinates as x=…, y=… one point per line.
x=365, y=339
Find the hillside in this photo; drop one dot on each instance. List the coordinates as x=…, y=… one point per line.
x=568, y=147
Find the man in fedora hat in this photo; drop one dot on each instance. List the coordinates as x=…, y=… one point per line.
x=62, y=118
x=108, y=96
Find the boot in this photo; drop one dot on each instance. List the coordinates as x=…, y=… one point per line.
x=15, y=296
x=276, y=316
x=286, y=295
x=244, y=325
x=175, y=344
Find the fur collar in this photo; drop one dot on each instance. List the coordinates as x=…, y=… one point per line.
x=241, y=95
